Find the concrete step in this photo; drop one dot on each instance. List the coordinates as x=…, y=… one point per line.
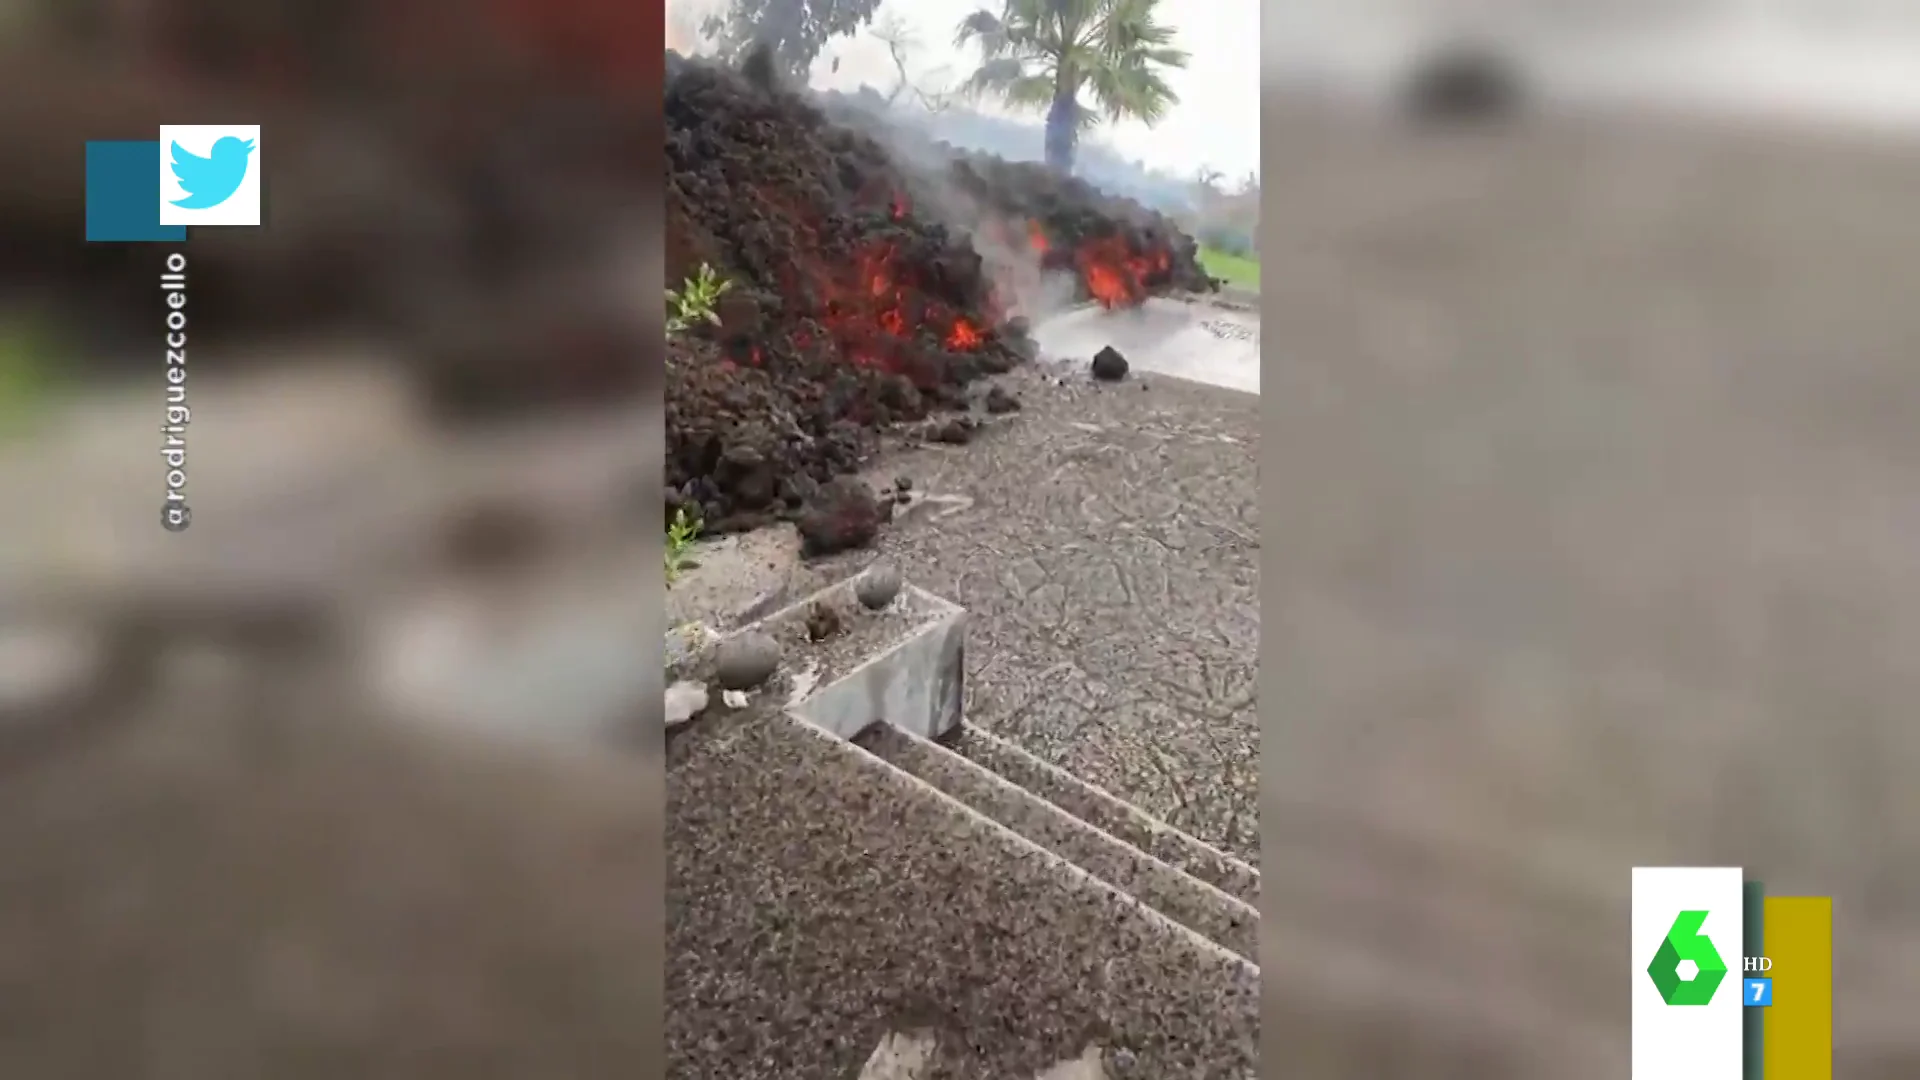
x=824, y=905
x=1193, y=903
x=1109, y=814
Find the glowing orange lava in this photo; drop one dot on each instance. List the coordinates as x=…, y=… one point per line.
x=1115, y=274
x=877, y=312
x=963, y=337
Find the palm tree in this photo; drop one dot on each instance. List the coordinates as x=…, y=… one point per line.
x=1041, y=53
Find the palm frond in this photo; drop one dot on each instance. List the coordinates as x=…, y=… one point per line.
x=986, y=29
x=1128, y=26
x=1068, y=22
x=1034, y=91
x=1004, y=76
x=1131, y=90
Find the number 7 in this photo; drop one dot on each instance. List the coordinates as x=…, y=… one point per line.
x=1758, y=989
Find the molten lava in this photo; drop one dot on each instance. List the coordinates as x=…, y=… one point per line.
x=1110, y=269
x=963, y=337
x=879, y=314
x=1115, y=274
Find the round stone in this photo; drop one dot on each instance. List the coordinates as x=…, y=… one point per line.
x=877, y=587
x=1108, y=365
x=684, y=701
x=744, y=661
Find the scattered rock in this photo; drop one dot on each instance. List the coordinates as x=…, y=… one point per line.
x=900, y=1056
x=878, y=586
x=734, y=699
x=1090, y=1065
x=1108, y=365
x=903, y=497
x=999, y=401
x=798, y=489
x=823, y=622
x=749, y=476
x=682, y=642
x=903, y=483
x=685, y=700
x=954, y=431
x=744, y=661
x=843, y=516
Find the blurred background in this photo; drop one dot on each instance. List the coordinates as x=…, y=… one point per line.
x=422, y=435
x=1846, y=62
x=441, y=210
x=1592, y=408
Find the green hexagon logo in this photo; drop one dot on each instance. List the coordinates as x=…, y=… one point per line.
x=1685, y=942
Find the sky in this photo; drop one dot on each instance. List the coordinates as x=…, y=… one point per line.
x=1216, y=125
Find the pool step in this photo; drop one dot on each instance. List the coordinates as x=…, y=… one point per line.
x=1110, y=814
x=1222, y=917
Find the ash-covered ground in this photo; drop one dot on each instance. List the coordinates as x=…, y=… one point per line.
x=869, y=287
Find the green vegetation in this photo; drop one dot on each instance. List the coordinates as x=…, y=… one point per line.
x=690, y=304
x=1040, y=54
x=1236, y=270
x=680, y=537
x=693, y=302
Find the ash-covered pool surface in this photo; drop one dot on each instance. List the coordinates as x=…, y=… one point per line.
x=1193, y=340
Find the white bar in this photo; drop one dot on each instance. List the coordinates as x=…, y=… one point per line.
x=1688, y=1042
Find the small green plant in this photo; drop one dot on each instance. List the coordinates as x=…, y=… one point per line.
x=681, y=534
x=693, y=302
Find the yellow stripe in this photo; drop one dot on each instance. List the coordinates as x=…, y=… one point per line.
x=1799, y=1026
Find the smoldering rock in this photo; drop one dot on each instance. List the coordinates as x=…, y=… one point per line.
x=745, y=660
x=1108, y=365
x=844, y=516
x=758, y=67
x=953, y=431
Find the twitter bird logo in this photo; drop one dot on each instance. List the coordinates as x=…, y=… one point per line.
x=210, y=174
x=211, y=180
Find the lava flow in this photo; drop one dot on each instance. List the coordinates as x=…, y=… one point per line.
x=885, y=313
x=1110, y=268
x=852, y=307
x=1115, y=274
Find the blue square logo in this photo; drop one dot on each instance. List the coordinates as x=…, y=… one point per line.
x=1757, y=993
x=123, y=195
